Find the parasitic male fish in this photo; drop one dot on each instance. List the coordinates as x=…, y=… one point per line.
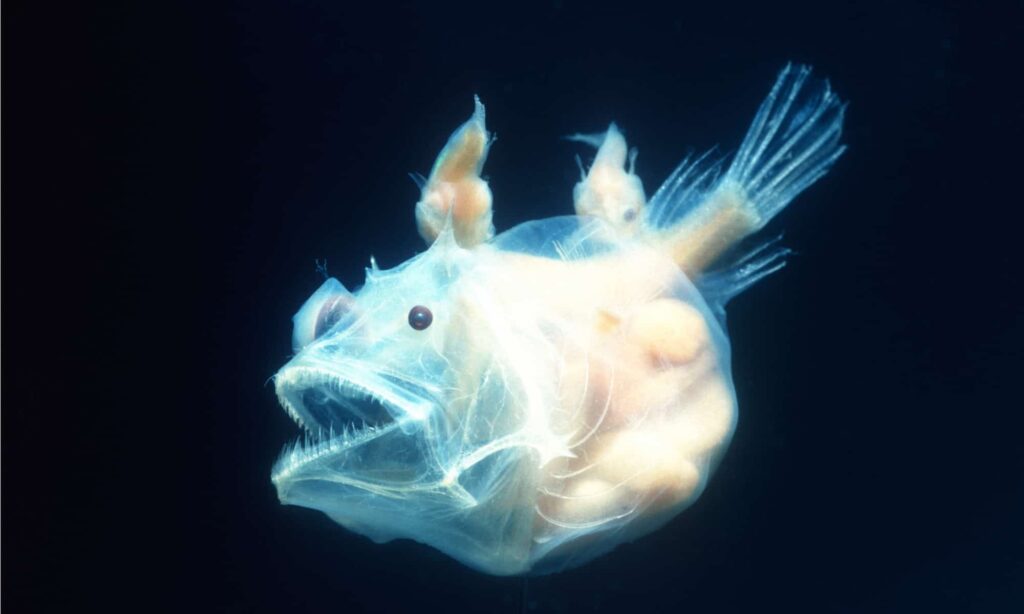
x=526, y=402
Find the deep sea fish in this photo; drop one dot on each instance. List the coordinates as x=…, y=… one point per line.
x=526, y=402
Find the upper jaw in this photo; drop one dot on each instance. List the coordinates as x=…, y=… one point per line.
x=320, y=396
x=341, y=406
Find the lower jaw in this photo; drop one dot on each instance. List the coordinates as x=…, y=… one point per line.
x=313, y=446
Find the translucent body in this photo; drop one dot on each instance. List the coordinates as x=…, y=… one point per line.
x=572, y=390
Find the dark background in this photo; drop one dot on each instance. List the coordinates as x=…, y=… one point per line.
x=171, y=172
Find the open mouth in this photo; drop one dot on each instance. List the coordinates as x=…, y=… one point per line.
x=339, y=414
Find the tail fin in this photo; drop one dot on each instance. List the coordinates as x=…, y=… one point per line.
x=792, y=142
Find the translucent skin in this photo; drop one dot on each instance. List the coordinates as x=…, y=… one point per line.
x=572, y=390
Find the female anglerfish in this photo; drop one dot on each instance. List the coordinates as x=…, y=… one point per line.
x=527, y=402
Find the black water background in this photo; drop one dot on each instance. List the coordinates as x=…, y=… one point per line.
x=171, y=172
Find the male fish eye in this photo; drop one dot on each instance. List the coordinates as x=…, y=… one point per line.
x=420, y=317
x=629, y=215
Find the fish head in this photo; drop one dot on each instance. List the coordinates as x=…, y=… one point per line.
x=413, y=420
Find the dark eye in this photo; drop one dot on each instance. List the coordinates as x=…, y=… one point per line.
x=420, y=317
x=629, y=215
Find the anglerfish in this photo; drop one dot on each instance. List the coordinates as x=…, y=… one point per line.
x=528, y=401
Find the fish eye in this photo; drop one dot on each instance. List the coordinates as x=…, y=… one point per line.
x=629, y=215
x=420, y=317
